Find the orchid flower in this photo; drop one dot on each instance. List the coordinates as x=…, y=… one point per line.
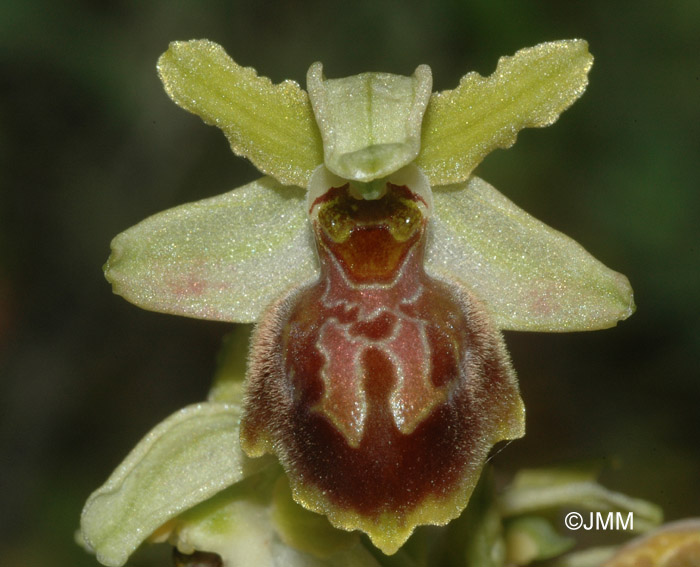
x=380, y=273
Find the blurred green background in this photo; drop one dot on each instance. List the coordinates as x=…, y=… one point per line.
x=90, y=145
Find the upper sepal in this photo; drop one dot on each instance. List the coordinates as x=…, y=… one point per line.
x=370, y=123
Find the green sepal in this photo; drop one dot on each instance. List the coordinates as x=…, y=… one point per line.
x=370, y=123
x=183, y=461
x=531, y=277
x=271, y=125
x=538, y=490
x=529, y=89
x=532, y=538
x=224, y=258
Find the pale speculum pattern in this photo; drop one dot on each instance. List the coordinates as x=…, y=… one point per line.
x=370, y=383
x=364, y=319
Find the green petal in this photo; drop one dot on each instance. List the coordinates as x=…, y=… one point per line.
x=184, y=460
x=529, y=89
x=531, y=277
x=271, y=125
x=370, y=123
x=223, y=258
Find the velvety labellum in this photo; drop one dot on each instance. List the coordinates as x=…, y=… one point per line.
x=380, y=388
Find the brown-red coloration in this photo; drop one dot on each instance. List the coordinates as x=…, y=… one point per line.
x=380, y=389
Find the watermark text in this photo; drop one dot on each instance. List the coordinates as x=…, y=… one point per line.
x=600, y=521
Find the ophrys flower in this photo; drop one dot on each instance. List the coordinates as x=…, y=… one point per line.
x=380, y=270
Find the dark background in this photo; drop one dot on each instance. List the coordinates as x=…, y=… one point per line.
x=90, y=145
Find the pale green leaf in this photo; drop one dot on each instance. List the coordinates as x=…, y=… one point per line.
x=184, y=460
x=529, y=89
x=370, y=123
x=223, y=258
x=530, y=276
x=271, y=125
